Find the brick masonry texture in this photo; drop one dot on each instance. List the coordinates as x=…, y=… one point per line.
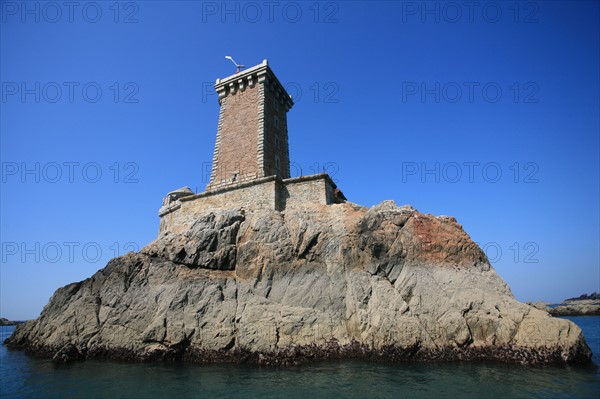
x=238, y=136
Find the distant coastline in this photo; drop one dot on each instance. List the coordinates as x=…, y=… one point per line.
x=583, y=305
x=6, y=322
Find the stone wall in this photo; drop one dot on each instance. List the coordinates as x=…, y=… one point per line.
x=275, y=145
x=258, y=194
x=299, y=191
x=266, y=193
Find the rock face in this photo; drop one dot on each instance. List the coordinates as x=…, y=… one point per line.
x=323, y=281
x=539, y=305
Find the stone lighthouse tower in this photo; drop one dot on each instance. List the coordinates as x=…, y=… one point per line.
x=252, y=135
x=251, y=162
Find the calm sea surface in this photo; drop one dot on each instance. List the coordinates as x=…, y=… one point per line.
x=24, y=377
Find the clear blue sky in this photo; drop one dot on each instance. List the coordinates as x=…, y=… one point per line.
x=488, y=113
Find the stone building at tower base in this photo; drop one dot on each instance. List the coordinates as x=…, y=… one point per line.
x=271, y=192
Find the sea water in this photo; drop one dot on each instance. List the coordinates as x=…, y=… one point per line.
x=24, y=377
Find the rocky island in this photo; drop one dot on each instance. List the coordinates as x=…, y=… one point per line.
x=263, y=268
x=584, y=305
x=6, y=322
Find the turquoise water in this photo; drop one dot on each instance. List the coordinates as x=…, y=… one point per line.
x=25, y=377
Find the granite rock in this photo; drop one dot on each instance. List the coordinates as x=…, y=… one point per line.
x=321, y=281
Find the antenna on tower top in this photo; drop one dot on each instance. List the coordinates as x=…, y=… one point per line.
x=238, y=66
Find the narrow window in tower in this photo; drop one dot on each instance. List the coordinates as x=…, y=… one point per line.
x=277, y=142
x=277, y=164
x=276, y=102
x=277, y=122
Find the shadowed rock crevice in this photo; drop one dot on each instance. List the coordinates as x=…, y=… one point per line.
x=209, y=243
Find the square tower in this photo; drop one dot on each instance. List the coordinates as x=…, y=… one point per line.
x=252, y=135
x=251, y=162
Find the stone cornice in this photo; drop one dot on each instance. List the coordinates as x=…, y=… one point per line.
x=261, y=74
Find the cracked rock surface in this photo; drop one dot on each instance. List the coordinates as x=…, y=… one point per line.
x=335, y=281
